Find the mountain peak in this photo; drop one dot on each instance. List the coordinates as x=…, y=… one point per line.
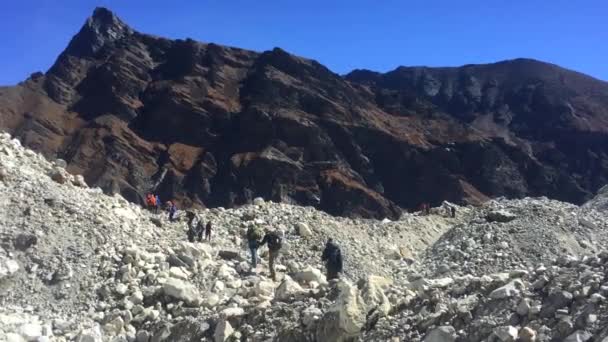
x=101, y=28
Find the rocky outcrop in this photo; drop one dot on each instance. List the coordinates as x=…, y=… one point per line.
x=214, y=126
x=76, y=264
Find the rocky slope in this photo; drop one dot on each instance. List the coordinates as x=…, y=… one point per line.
x=76, y=264
x=216, y=126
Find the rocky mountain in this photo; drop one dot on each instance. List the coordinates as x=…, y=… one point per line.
x=213, y=126
x=78, y=265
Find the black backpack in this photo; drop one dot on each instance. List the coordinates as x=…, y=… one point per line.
x=274, y=242
x=335, y=257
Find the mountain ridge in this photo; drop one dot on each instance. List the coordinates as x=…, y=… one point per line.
x=209, y=125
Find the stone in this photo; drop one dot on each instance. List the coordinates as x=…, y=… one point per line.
x=579, y=336
x=59, y=175
x=509, y=290
x=263, y=288
x=223, y=330
x=137, y=297
x=349, y=309
x=258, y=201
x=179, y=273
x=79, y=181
x=24, y=241
x=303, y=230
x=142, y=336
x=227, y=254
x=523, y=307
x=114, y=327
x=527, y=335
x=310, y=315
x=288, y=289
x=310, y=274
x=445, y=333
x=121, y=289
x=555, y=301
x=500, y=216
x=90, y=335
x=8, y=267
x=30, y=331
x=232, y=312
x=372, y=293
x=13, y=337
x=182, y=290
x=506, y=333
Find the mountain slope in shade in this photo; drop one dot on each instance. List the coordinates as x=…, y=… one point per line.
x=211, y=125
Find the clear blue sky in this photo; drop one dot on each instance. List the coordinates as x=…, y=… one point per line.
x=344, y=35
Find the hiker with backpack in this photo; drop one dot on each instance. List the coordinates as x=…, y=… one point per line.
x=172, y=208
x=254, y=235
x=192, y=224
x=157, y=204
x=208, y=231
x=333, y=259
x=274, y=247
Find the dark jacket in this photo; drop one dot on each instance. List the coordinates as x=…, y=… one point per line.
x=273, y=240
x=332, y=255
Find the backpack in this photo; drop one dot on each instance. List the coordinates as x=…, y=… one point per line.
x=335, y=258
x=274, y=242
x=255, y=233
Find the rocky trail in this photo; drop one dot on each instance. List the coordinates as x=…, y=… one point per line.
x=78, y=265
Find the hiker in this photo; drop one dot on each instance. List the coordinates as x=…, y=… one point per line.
x=333, y=259
x=453, y=211
x=172, y=208
x=208, y=231
x=192, y=224
x=274, y=247
x=157, y=204
x=150, y=201
x=254, y=234
x=427, y=209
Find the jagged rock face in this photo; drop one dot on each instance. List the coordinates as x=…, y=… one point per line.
x=217, y=126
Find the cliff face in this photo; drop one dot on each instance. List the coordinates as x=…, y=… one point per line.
x=211, y=125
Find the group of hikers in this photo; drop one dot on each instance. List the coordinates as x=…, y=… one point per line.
x=154, y=203
x=256, y=238
x=425, y=209
x=196, y=228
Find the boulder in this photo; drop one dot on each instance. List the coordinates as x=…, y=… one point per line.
x=79, y=181
x=444, y=333
x=556, y=300
x=229, y=254
x=24, y=241
x=223, y=330
x=511, y=289
x=8, y=267
x=90, y=335
x=288, y=289
x=182, y=290
x=343, y=320
x=527, y=335
x=30, y=331
x=310, y=274
x=506, y=333
x=500, y=216
x=59, y=175
x=579, y=336
x=303, y=230
x=372, y=293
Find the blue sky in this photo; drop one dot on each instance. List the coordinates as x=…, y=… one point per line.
x=344, y=35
